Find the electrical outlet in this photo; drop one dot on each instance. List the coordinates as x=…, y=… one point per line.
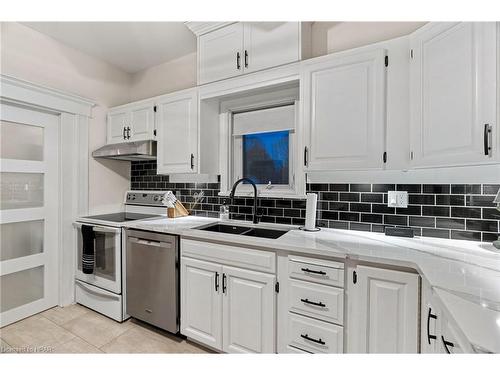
x=397, y=199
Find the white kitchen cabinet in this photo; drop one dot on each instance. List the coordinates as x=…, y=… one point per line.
x=439, y=334
x=117, y=126
x=248, y=311
x=131, y=122
x=344, y=111
x=229, y=308
x=220, y=53
x=177, y=132
x=453, y=83
x=245, y=47
x=268, y=44
x=383, y=311
x=201, y=302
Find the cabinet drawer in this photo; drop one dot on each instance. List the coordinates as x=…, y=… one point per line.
x=314, y=336
x=291, y=350
x=316, y=270
x=257, y=260
x=318, y=301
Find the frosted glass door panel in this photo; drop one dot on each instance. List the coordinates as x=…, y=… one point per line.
x=21, y=239
x=21, y=190
x=20, y=288
x=21, y=142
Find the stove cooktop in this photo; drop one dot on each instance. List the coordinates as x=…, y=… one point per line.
x=120, y=217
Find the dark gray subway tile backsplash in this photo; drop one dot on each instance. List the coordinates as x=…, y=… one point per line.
x=457, y=211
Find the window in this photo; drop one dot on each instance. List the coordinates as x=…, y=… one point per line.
x=263, y=144
x=266, y=157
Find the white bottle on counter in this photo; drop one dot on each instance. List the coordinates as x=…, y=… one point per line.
x=224, y=211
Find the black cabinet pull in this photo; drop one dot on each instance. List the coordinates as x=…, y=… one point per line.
x=317, y=341
x=320, y=304
x=447, y=344
x=486, y=139
x=217, y=281
x=238, y=65
x=430, y=316
x=305, y=156
x=224, y=281
x=313, y=271
x=124, y=132
x=246, y=59
x=128, y=132
x=192, y=161
x=354, y=277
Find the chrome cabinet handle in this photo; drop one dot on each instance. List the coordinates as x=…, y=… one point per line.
x=487, y=139
x=317, y=341
x=430, y=316
x=238, y=57
x=305, y=300
x=246, y=59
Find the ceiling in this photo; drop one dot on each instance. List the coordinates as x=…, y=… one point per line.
x=131, y=46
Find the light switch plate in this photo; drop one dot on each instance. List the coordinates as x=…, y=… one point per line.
x=397, y=199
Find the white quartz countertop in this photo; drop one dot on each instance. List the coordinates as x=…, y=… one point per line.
x=463, y=273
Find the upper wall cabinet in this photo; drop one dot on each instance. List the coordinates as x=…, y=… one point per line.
x=344, y=111
x=177, y=126
x=453, y=78
x=245, y=47
x=131, y=122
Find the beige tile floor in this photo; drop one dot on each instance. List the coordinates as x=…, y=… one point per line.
x=76, y=329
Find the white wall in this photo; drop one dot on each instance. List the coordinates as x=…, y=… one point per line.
x=171, y=76
x=29, y=55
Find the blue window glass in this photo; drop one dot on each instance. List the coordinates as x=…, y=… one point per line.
x=265, y=157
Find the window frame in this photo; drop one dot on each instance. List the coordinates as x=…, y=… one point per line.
x=296, y=186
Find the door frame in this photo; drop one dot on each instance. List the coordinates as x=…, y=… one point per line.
x=74, y=113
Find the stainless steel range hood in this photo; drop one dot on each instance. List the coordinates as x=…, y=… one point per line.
x=131, y=151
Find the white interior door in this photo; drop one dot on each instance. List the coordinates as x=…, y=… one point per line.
x=29, y=193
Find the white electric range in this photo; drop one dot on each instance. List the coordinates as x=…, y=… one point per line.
x=103, y=290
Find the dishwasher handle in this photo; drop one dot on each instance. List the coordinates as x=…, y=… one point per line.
x=151, y=242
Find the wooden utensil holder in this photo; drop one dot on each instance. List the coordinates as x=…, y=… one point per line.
x=178, y=211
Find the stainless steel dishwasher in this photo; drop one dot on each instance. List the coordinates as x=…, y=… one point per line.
x=152, y=278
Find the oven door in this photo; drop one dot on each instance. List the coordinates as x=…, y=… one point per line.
x=108, y=257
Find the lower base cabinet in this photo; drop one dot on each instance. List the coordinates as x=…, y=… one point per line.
x=383, y=311
x=230, y=309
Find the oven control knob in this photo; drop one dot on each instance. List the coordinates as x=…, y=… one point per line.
x=156, y=198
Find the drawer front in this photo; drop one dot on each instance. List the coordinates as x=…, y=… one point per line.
x=100, y=300
x=317, y=301
x=314, y=336
x=291, y=350
x=257, y=260
x=317, y=271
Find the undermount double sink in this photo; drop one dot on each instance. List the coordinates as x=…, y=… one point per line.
x=244, y=231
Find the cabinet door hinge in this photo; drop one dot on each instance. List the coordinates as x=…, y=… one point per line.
x=387, y=61
x=277, y=287
x=384, y=157
x=154, y=108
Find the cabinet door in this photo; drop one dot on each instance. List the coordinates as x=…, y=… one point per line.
x=220, y=53
x=249, y=311
x=142, y=122
x=384, y=315
x=344, y=111
x=177, y=133
x=116, y=126
x=268, y=44
x=201, y=301
x=453, y=94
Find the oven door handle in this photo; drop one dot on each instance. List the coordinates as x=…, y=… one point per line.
x=98, y=228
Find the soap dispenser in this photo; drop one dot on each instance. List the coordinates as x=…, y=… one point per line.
x=224, y=211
